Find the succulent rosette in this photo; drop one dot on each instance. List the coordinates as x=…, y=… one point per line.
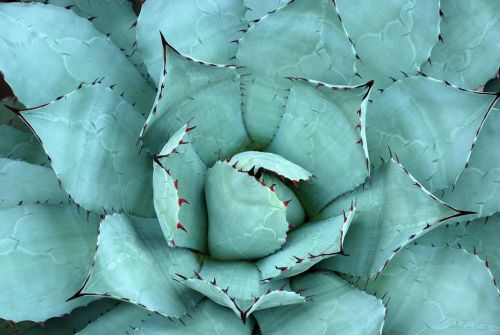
x=246, y=167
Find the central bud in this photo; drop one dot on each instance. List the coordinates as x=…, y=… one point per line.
x=249, y=208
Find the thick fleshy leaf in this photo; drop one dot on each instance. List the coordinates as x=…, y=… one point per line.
x=306, y=246
x=312, y=44
x=133, y=263
x=336, y=308
x=9, y=118
x=200, y=29
x=429, y=125
x=256, y=9
x=19, y=144
x=24, y=183
x=479, y=236
x=90, y=136
x=207, y=93
x=392, y=210
x=206, y=318
x=323, y=130
x=391, y=38
x=44, y=254
x=247, y=220
x=468, y=53
x=295, y=213
x=263, y=100
x=269, y=162
x=237, y=285
x=478, y=186
x=179, y=193
x=75, y=321
x=120, y=320
x=438, y=291
x=69, y=51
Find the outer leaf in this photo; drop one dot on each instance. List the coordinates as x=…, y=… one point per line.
x=323, y=131
x=7, y=117
x=44, y=253
x=237, y=285
x=77, y=320
x=24, y=183
x=121, y=319
x=212, y=100
x=179, y=193
x=72, y=50
x=199, y=29
x=479, y=237
x=438, y=291
x=256, y=9
x=90, y=136
x=336, y=308
x=430, y=125
x=206, y=318
x=392, y=210
x=314, y=47
x=306, y=246
x=392, y=38
x=253, y=225
x=312, y=44
x=478, y=186
x=18, y=144
x=134, y=264
x=468, y=54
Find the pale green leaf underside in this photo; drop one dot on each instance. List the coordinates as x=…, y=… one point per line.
x=179, y=193
x=19, y=144
x=478, y=186
x=470, y=53
x=199, y=29
x=306, y=246
x=90, y=136
x=479, y=236
x=133, y=263
x=391, y=211
x=336, y=308
x=322, y=130
x=392, y=37
x=24, y=183
x=253, y=225
x=44, y=253
x=429, y=125
x=200, y=94
x=69, y=51
x=438, y=291
x=237, y=285
x=272, y=163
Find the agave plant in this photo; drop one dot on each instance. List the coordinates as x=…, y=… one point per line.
x=247, y=167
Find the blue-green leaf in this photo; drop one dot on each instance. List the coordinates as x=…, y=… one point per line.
x=69, y=50
x=336, y=308
x=90, y=136
x=45, y=252
x=438, y=291
x=429, y=125
x=133, y=263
